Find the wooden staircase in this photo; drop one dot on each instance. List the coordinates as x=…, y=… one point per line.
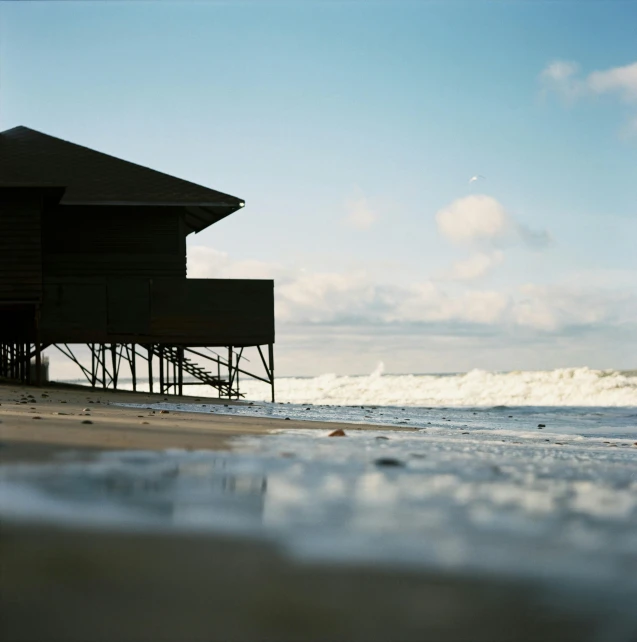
x=176, y=356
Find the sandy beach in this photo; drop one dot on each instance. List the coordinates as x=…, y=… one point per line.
x=34, y=422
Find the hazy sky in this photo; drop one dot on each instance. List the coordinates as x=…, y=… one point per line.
x=351, y=129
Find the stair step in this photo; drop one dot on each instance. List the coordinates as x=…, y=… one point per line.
x=172, y=355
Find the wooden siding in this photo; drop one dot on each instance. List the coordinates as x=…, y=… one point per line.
x=17, y=323
x=20, y=245
x=128, y=306
x=205, y=312
x=233, y=311
x=129, y=242
x=74, y=312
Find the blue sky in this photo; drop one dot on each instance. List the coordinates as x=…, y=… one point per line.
x=352, y=129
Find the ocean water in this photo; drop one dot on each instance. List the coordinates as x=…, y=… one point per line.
x=575, y=402
x=560, y=387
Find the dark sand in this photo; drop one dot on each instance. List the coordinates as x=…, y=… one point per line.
x=76, y=586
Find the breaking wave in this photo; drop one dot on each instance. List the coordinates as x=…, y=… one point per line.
x=561, y=387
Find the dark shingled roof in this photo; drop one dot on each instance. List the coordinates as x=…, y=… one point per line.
x=31, y=158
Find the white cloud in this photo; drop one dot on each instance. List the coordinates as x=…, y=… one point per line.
x=560, y=71
x=360, y=215
x=555, y=307
x=620, y=80
x=208, y=263
x=482, y=220
x=476, y=266
x=356, y=300
x=561, y=78
x=473, y=218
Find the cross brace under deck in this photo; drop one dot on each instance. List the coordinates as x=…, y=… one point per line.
x=167, y=365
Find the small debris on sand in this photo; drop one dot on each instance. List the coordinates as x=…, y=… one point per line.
x=86, y=410
x=87, y=421
x=339, y=432
x=388, y=461
x=164, y=412
x=36, y=417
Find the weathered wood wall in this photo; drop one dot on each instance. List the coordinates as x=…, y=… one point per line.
x=233, y=311
x=115, y=274
x=20, y=245
x=204, y=312
x=90, y=241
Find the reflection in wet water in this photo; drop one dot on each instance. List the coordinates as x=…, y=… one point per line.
x=564, y=510
x=142, y=488
x=561, y=514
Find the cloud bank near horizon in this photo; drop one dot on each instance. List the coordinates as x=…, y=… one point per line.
x=354, y=299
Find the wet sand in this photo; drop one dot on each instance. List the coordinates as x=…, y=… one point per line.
x=36, y=423
x=113, y=587
x=76, y=584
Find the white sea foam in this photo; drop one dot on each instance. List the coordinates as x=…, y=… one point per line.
x=562, y=387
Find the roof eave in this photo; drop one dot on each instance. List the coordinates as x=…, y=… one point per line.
x=200, y=217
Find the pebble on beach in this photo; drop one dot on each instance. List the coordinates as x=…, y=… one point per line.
x=339, y=432
x=388, y=461
x=87, y=421
x=164, y=412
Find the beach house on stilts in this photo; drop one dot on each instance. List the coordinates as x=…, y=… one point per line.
x=93, y=252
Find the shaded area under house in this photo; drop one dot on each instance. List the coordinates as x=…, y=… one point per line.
x=93, y=252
